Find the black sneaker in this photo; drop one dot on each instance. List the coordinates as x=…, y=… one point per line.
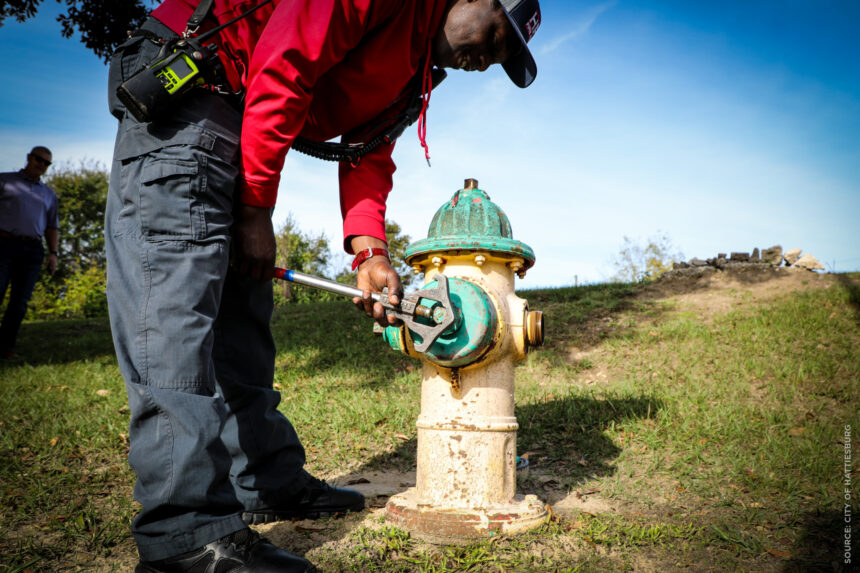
x=317, y=499
x=241, y=552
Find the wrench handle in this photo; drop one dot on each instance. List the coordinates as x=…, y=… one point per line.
x=322, y=284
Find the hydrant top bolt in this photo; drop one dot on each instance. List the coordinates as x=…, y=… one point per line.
x=470, y=184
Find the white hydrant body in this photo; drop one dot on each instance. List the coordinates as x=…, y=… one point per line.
x=467, y=430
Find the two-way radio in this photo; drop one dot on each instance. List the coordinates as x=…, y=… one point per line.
x=182, y=63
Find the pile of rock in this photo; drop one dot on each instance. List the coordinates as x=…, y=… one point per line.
x=772, y=256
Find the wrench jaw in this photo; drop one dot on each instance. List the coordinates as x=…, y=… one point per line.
x=456, y=323
x=428, y=322
x=443, y=315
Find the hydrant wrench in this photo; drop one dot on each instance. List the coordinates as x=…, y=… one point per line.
x=438, y=317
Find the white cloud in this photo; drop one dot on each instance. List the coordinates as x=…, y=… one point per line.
x=580, y=27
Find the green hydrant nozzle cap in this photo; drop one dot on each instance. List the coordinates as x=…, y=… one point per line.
x=471, y=221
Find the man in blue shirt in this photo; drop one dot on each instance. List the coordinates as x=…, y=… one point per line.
x=28, y=212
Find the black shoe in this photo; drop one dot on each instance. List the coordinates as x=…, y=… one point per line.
x=241, y=552
x=317, y=499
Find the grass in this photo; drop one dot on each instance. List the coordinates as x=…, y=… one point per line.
x=667, y=439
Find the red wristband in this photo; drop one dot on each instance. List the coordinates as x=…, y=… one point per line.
x=365, y=254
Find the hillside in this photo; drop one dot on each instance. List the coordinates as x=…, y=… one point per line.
x=697, y=423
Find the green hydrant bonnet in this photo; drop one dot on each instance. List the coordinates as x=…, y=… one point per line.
x=470, y=221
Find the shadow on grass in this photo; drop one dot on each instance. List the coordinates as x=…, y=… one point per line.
x=333, y=339
x=821, y=545
x=582, y=315
x=565, y=438
x=62, y=341
x=851, y=283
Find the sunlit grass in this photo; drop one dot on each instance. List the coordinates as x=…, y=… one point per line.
x=713, y=441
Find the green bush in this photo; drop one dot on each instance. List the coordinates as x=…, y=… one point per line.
x=81, y=295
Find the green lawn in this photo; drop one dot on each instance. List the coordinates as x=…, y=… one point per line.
x=699, y=432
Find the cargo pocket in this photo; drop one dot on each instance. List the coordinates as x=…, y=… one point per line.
x=162, y=170
x=167, y=189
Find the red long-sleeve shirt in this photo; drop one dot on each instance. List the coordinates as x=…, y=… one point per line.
x=319, y=68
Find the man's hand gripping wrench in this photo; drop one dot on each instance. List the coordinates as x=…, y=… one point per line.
x=438, y=317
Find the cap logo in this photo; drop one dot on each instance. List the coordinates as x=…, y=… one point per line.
x=533, y=24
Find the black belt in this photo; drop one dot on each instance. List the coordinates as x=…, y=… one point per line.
x=8, y=235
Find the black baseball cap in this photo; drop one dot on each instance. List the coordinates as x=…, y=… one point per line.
x=524, y=16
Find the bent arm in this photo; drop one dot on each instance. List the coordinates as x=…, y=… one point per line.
x=300, y=43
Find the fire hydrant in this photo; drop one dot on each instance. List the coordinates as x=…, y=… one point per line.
x=466, y=476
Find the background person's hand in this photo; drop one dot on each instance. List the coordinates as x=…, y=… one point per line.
x=254, y=242
x=51, y=263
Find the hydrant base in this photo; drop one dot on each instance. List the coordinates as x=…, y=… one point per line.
x=460, y=526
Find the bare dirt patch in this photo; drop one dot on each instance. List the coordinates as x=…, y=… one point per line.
x=710, y=292
x=577, y=502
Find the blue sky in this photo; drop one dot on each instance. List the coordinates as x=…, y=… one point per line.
x=725, y=125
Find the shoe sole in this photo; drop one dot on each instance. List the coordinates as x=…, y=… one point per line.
x=141, y=568
x=259, y=518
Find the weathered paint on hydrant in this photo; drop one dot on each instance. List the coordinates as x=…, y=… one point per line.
x=466, y=475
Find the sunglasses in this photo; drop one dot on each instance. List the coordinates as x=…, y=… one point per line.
x=41, y=160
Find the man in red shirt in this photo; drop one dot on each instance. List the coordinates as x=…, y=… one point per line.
x=195, y=188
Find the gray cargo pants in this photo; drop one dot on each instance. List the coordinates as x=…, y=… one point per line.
x=192, y=336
